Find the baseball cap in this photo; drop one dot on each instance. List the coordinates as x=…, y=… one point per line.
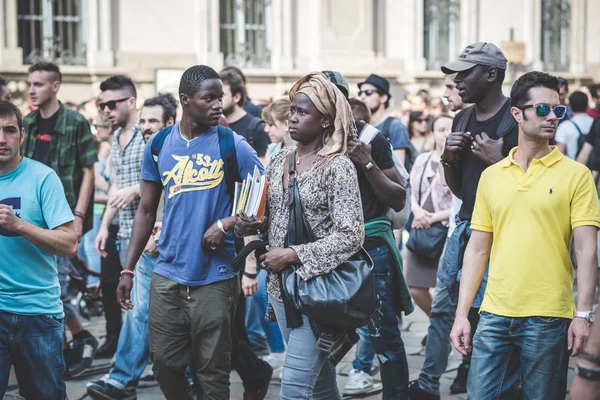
x=338, y=80
x=480, y=53
x=379, y=82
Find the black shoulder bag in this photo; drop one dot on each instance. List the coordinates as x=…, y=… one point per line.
x=345, y=297
x=428, y=242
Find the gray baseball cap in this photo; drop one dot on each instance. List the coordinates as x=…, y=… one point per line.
x=480, y=53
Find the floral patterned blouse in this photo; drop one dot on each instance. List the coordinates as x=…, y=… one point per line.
x=331, y=202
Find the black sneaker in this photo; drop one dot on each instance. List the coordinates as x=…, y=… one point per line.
x=147, y=380
x=85, y=349
x=109, y=392
x=460, y=382
x=260, y=393
x=108, y=348
x=416, y=393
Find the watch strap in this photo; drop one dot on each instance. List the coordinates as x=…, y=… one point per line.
x=591, y=374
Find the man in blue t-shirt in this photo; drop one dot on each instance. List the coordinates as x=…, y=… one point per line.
x=32, y=204
x=194, y=290
x=375, y=93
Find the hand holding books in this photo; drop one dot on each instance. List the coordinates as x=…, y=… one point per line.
x=250, y=197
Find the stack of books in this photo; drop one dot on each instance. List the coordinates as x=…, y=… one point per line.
x=250, y=197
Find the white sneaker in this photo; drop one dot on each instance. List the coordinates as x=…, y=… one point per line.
x=276, y=364
x=358, y=382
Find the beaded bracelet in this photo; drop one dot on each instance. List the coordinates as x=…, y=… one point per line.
x=127, y=272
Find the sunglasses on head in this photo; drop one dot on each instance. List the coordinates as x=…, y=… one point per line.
x=112, y=104
x=543, y=110
x=367, y=92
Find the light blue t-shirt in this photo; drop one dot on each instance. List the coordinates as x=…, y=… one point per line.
x=28, y=276
x=397, y=134
x=193, y=178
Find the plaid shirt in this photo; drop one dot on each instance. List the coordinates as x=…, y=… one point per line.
x=72, y=149
x=127, y=163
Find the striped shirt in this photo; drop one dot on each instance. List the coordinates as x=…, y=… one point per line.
x=127, y=163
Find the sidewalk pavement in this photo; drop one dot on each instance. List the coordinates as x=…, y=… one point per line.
x=414, y=328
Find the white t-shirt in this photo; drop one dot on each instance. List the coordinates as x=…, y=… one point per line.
x=568, y=134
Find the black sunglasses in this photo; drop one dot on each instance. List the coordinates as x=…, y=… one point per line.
x=367, y=92
x=543, y=110
x=111, y=104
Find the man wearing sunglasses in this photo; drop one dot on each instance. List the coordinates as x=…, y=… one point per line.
x=127, y=152
x=482, y=135
x=375, y=93
x=133, y=350
x=529, y=208
x=61, y=139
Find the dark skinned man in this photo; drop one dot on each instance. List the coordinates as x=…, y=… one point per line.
x=482, y=135
x=194, y=290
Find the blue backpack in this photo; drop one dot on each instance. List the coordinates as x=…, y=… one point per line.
x=228, y=154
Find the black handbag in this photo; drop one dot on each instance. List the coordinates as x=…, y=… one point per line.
x=428, y=242
x=343, y=298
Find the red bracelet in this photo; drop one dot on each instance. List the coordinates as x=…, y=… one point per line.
x=79, y=214
x=127, y=272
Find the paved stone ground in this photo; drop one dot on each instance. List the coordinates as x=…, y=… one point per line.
x=413, y=330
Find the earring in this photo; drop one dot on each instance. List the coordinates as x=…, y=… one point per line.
x=325, y=125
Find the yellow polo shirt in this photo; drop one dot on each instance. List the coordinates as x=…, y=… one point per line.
x=532, y=216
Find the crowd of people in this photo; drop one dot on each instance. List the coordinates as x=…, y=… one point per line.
x=489, y=201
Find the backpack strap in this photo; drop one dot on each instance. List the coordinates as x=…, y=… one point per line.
x=385, y=129
x=158, y=142
x=465, y=114
x=576, y=127
x=228, y=154
x=251, y=130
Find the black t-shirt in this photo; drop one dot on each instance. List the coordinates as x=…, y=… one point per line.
x=43, y=139
x=252, y=109
x=472, y=167
x=253, y=129
x=381, y=153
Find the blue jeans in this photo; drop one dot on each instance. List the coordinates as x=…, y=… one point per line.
x=438, y=346
x=34, y=345
x=87, y=250
x=261, y=332
x=307, y=372
x=363, y=359
x=532, y=348
x=383, y=329
x=133, y=351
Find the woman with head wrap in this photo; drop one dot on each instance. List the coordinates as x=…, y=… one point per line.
x=320, y=124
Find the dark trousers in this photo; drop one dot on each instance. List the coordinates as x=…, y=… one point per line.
x=383, y=328
x=252, y=370
x=109, y=279
x=191, y=326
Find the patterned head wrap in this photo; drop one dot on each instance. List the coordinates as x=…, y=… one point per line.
x=329, y=101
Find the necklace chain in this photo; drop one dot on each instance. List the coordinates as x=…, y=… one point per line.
x=306, y=155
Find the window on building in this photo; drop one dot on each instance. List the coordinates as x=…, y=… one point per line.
x=52, y=30
x=244, y=33
x=556, y=15
x=440, y=32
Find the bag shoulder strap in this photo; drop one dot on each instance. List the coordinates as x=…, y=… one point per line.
x=158, y=142
x=368, y=133
x=229, y=156
x=385, y=129
x=422, y=175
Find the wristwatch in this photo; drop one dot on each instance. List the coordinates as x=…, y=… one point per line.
x=588, y=373
x=587, y=315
